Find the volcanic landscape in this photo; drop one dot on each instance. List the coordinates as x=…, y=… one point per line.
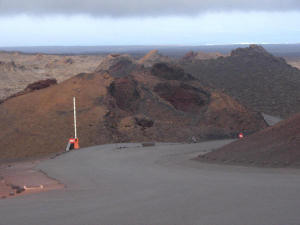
x=157, y=133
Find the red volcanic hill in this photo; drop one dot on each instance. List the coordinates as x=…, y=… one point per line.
x=121, y=102
x=277, y=146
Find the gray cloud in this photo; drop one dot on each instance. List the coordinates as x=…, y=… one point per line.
x=128, y=8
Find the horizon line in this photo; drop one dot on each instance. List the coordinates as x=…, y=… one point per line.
x=150, y=45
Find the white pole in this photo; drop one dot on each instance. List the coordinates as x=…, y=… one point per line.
x=75, y=125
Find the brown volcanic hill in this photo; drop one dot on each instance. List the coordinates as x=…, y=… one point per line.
x=255, y=78
x=277, y=146
x=153, y=57
x=139, y=106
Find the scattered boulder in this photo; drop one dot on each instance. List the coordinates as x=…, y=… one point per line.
x=144, y=122
x=148, y=144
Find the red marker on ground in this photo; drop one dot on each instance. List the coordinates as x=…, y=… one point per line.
x=241, y=135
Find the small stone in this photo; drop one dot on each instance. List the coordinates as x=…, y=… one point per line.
x=149, y=144
x=15, y=187
x=20, y=190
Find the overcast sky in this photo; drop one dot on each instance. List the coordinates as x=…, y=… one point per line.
x=148, y=22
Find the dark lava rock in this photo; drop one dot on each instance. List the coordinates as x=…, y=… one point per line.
x=255, y=78
x=20, y=190
x=117, y=65
x=183, y=96
x=170, y=72
x=144, y=122
x=121, y=68
x=41, y=84
x=125, y=92
x=148, y=144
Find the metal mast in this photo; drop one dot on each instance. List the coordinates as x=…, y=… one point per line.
x=75, y=124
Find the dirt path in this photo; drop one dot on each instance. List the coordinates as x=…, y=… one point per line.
x=23, y=178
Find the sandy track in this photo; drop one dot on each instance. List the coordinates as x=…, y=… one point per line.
x=22, y=178
x=128, y=184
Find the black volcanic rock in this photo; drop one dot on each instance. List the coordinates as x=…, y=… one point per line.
x=252, y=50
x=117, y=65
x=126, y=94
x=183, y=96
x=40, y=85
x=170, y=72
x=255, y=78
x=144, y=122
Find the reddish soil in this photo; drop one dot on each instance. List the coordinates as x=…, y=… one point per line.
x=277, y=146
x=22, y=178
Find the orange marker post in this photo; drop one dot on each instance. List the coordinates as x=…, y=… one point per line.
x=76, y=144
